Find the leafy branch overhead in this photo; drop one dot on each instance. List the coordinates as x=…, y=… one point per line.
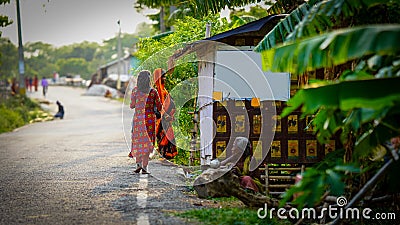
x=314, y=18
x=334, y=48
x=360, y=101
x=4, y=19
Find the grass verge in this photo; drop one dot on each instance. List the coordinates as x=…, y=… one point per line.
x=229, y=210
x=18, y=111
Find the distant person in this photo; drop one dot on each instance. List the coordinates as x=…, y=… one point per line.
x=55, y=77
x=36, y=82
x=144, y=100
x=108, y=94
x=14, y=86
x=60, y=113
x=26, y=83
x=45, y=86
x=30, y=83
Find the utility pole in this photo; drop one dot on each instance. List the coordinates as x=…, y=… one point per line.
x=119, y=57
x=21, y=65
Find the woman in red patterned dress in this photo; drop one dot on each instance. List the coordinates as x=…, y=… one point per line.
x=144, y=99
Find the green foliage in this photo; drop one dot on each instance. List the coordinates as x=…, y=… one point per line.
x=108, y=50
x=317, y=17
x=73, y=66
x=359, y=104
x=178, y=10
x=39, y=59
x=182, y=127
x=144, y=30
x=351, y=106
x=9, y=119
x=282, y=29
x=319, y=20
x=16, y=112
x=283, y=6
x=8, y=59
x=240, y=17
x=347, y=95
x=333, y=48
x=203, y=8
x=362, y=105
x=155, y=3
x=172, y=11
x=187, y=30
x=242, y=216
x=4, y=20
x=84, y=58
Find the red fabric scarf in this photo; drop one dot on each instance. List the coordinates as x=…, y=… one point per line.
x=165, y=135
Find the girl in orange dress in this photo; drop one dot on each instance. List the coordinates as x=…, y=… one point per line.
x=164, y=132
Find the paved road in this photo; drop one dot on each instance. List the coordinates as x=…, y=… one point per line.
x=76, y=170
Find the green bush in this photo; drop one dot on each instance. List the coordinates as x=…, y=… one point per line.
x=18, y=111
x=9, y=119
x=242, y=216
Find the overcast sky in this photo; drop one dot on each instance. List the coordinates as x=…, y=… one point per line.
x=63, y=22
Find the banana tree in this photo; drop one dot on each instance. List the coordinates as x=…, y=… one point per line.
x=168, y=9
x=363, y=105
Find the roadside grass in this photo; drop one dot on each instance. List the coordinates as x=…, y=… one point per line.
x=221, y=216
x=229, y=210
x=17, y=111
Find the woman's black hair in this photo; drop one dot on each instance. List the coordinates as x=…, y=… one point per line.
x=143, y=81
x=163, y=73
x=247, y=151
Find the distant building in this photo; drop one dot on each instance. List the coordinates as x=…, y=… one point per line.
x=108, y=73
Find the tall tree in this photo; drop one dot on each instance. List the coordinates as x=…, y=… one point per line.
x=8, y=59
x=5, y=69
x=73, y=66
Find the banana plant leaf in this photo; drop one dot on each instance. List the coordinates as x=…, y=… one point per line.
x=321, y=15
x=156, y=3
x=333, y=48
x=203, y=7
x=282, y=29
x=371, y=94
x=313, y=18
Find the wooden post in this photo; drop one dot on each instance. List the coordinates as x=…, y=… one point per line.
x=206, y=57
x=206, y=87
